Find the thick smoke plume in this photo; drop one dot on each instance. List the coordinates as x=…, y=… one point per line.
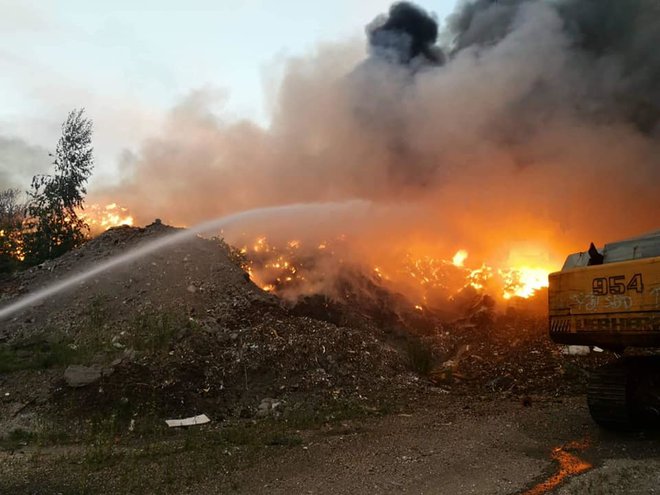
x=532, y=129
x=405, y=34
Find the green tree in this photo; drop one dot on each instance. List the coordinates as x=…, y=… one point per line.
x=12, y=215
x=53, y=226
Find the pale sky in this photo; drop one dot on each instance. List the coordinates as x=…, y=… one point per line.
x=129, y=61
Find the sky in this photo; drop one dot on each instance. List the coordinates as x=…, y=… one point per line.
x=127, y=62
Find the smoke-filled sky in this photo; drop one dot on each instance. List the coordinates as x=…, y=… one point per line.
x=515, y=128
x=129, y=62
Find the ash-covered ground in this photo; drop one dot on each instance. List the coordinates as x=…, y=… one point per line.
x=183, y=331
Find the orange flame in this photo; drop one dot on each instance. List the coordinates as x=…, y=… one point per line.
x=103, y=217
x=460, y=257
x=569, y=465
x=12, y=244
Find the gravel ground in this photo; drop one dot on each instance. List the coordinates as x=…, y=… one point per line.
x=462, y=447
x=435, y=445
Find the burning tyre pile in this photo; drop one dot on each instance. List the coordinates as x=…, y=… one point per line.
x=185, y=330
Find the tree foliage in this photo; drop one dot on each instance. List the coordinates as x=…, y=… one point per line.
x=12, y=215
x=53, y=227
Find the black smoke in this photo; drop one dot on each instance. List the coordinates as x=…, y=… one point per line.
x=615, y=42
x=406, y=33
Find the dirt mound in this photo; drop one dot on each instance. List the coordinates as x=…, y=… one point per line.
x=187, y=278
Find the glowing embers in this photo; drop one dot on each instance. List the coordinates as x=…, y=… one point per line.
x=11, y=244
x=569, y=465
x=279, y=268
x=103, y=217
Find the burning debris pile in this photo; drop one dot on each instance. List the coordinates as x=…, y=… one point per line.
x=297, y=270
x=186, y=329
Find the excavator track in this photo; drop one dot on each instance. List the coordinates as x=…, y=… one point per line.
x=626, y=394
x=607, y=396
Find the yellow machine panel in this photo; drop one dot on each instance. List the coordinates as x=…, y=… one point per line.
x=612, y=305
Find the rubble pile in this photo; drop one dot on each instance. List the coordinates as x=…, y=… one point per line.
x=224, y=372
x=510, y=354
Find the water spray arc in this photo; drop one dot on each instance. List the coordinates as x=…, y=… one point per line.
x=156, y=245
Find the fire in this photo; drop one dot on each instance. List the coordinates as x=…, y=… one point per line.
x=527, y=269
x=479, y=277
x=569, y=464
x=270, y=267
x=99, y=218
x=103, y=217
x=524, y=281
x=12, y=245
x=460, y=257
x=512, y=281
x=426, y=280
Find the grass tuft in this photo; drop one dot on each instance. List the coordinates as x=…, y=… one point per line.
x=37, y=353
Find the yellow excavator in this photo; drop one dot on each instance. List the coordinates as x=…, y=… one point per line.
x=610, y=298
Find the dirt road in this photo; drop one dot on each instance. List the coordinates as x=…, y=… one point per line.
x=460, y=446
